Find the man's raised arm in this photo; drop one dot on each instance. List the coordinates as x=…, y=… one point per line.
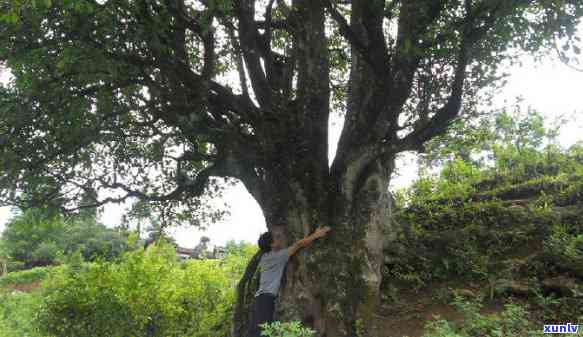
x=318, y=233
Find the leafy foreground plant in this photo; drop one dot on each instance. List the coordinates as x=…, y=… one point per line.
x=513, y=321
x=146, y=294
x=16, y=309
x=287, y=329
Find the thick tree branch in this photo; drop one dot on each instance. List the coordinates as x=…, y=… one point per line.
x=440, y=121
x=414, y=21
x=178, y=9
x=185, y=188
x=274, y=24
x=426, y=130
x=371, y=18
x=238, y=57
x=249, y=37
x=209, y=57
x=380, y=88
x=268, y=57
x=218, y=96
x=347, y=31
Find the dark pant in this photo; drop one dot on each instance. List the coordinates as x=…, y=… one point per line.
x=262, y=313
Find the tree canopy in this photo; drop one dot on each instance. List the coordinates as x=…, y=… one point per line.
x=142, y=98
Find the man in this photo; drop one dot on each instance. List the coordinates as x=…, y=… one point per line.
x=272, y=265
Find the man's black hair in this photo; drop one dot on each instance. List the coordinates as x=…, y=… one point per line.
x=264, y=242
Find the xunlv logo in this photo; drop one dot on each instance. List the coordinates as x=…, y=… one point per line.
x=561, y=328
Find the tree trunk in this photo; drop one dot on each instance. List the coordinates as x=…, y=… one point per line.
x=332, y=286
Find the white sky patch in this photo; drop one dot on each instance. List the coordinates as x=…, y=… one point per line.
x=245, y=222
x=5, y=76
x=552, y=89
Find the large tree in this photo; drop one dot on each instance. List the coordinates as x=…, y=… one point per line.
x=153, y=99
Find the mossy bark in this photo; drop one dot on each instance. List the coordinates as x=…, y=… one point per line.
x=334, y=285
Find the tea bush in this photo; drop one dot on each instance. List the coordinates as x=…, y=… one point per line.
x=564, y=249
x=145, y=294
x=16, y=312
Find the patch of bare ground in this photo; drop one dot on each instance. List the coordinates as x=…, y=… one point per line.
x=415, y=309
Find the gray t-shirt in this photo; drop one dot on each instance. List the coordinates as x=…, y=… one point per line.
x=271, y=266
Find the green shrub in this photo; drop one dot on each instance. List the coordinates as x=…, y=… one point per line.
x=37, y=239
x=16, y=310
x=94, y=240
x=25, y=233
x=47, y=253
x=466, y=240
x=145, y=294
x=287, y=329
x=457, y=180
x=565, y=250
x=237, y=258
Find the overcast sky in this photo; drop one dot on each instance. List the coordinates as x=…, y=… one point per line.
x=549, y=87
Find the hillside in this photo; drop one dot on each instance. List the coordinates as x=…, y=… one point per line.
x=501, y=238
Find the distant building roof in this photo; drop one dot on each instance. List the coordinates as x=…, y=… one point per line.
x=194, y=253
x=186, y=251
